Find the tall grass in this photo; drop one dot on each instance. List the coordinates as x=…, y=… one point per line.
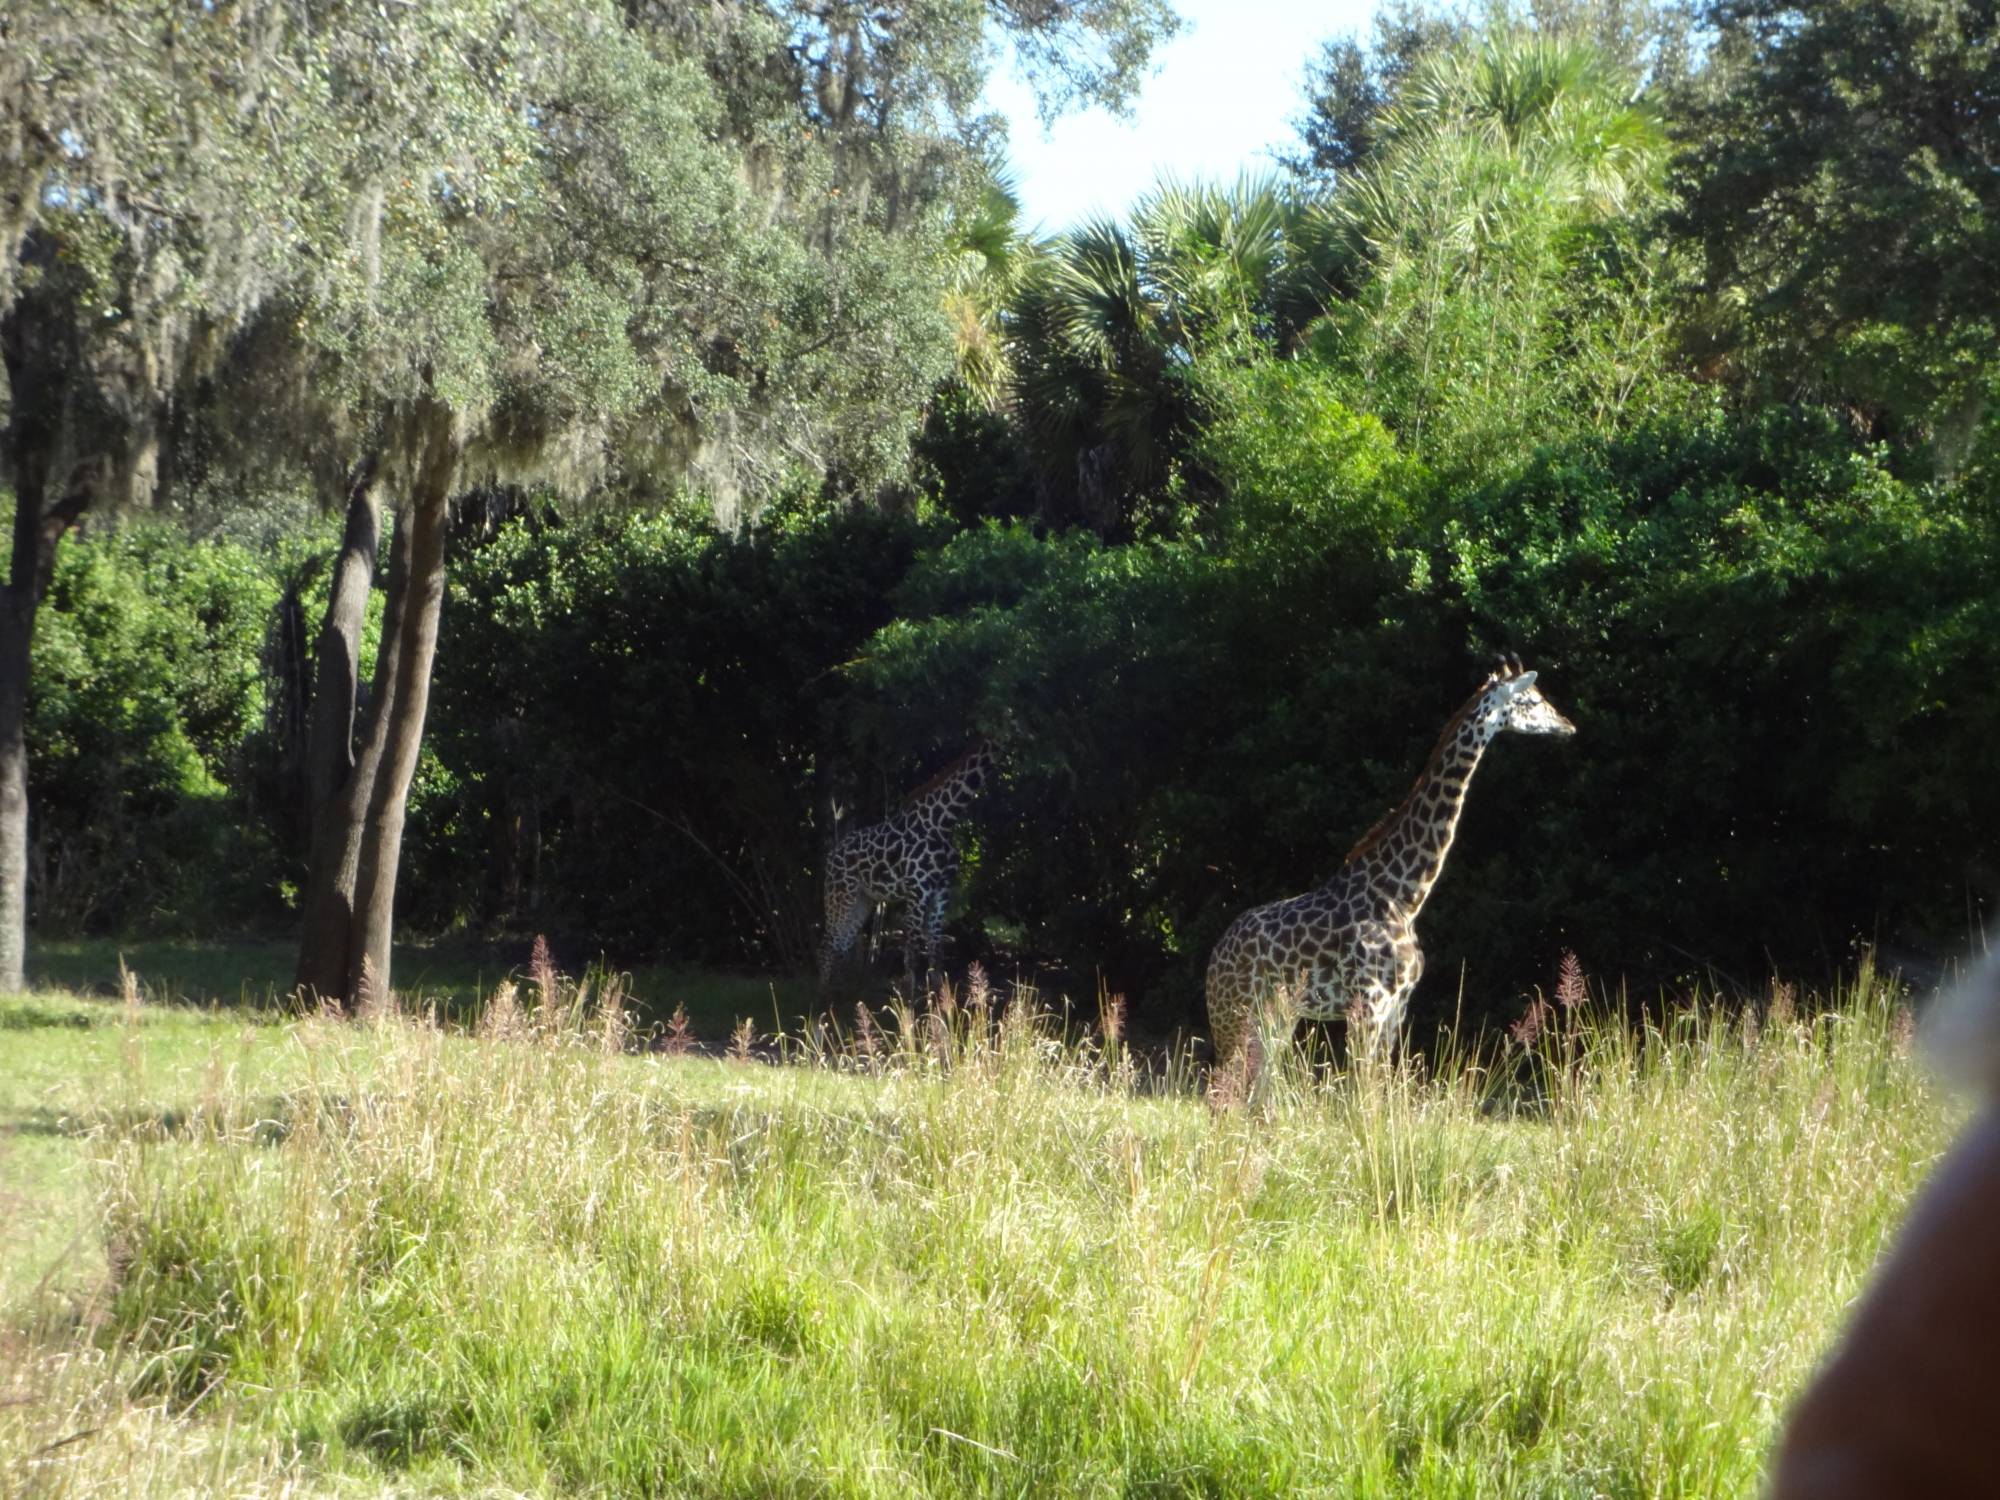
x=956, y=1254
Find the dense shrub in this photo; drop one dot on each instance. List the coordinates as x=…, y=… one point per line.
x=1192, y=723
x=645, y=730
x=633, y=724
x=1780, y=657
x=147, y=681
x=1775, y=651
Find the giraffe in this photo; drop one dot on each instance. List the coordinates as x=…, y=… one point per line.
x=909, y=858
x=1351, y=945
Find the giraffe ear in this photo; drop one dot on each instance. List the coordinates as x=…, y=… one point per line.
x=1523, y=682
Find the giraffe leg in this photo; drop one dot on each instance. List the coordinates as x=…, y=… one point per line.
x=1383, y=1028
x=1367, y=1035
x=933, y=944
x=845, y=914
x=926, y=935
x=1377, y=1024
x=1228, y=1074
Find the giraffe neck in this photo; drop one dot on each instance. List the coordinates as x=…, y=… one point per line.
x=1405, y=854
x=942, y=804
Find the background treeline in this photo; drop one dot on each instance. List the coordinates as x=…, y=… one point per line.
x=1645, y=341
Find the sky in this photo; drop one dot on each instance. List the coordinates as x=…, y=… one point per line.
x=1224, y=94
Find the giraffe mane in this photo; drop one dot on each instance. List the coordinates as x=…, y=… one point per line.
x=1380, y=831
x=957, y=765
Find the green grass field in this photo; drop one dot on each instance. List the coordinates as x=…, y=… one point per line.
x=250, y=1255
x=255, y=976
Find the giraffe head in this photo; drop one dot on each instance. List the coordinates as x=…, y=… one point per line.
x=1513, y=702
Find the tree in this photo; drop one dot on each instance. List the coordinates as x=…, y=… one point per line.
x=151, y=157
x=1104, y=325
x=646, y=247
x=1349, y=87
x=540, y=271
x=1841, y=185
x=990, y=254
x=1505, y=287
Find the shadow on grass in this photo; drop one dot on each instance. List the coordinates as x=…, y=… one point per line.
x=35, y=1015
x=452, y=978
x=268, y=1123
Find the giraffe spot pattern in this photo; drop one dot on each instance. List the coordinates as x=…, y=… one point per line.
x=1351, y=945
x=908, y=858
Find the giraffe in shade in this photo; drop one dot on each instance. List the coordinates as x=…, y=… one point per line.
x=1351, y=945
x=908, y=858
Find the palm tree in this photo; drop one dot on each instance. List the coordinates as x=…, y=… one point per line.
x=1555, y=105
x=1499, y=171
x=989, y=256
x=1106, y=323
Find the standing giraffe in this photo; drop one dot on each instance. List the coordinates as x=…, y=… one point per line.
x=1352, y=944
x=909, y=858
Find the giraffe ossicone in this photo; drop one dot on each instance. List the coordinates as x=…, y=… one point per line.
x=908, y=858
x=1351, y=945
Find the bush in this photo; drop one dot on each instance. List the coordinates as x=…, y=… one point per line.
x=633, y=725
x=1199, y=717
x=1777, y=655
x=1774, y=650
x=146, y=681
x=644, y=730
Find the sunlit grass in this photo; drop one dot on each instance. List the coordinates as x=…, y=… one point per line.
x=958, y=1255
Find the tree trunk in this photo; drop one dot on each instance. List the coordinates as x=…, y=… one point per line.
x=38, y=529
x=17, y=631
x=330, y=753
x=401, y=722
x=339, y=767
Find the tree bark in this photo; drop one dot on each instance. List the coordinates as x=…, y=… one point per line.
x=402, y=720
x=17, y=631
x=38, y=530
x=330, y=753
x=340, y=767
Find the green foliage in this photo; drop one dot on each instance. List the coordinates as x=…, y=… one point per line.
x=1213, y=720
x=1211, y=716
x=1078, y=50
x=1324, y=453
x=967, y=460
x=1350, y=88
x=1347, y=86
x=1507, y=289
x=1774, y=647
x=1102, y=329
x=632, y=723
x=1178, y=707
x=1297, y=472
x=989, y=255
x=645, y=243
x=1838, y=178
x=147, y=680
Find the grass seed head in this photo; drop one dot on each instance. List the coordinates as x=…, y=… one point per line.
x=542, y=973
x=677, y=1038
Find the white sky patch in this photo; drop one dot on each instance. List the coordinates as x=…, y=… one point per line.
x=1224, y=96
